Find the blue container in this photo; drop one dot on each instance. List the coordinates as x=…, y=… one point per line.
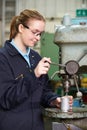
x=76, y=103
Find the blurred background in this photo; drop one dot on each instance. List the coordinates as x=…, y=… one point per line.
x=53, y=10
x=65, y=41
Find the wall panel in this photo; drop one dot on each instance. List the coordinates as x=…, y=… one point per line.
x=51, y=8
x=60, y=8
x=41, y=6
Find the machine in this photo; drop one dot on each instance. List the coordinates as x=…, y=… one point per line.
x=71, y=38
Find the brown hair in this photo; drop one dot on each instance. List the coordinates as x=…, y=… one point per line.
x=23, y=18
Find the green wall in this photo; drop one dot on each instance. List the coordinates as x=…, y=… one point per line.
x=49, y=49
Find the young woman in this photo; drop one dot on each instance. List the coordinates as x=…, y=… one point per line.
x=23, y=75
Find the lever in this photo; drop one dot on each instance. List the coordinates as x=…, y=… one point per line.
x=53, y=63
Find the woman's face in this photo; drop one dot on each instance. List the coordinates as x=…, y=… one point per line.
x=31, y=33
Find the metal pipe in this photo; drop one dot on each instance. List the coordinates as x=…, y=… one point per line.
x=53, y=63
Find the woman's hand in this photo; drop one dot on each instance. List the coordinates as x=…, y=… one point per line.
x=57, y=102
x=42, y=67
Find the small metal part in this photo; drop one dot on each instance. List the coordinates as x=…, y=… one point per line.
x=72, y=67
x=79, y=94
x=53, y=63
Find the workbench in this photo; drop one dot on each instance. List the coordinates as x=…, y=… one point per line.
x=77, y=117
